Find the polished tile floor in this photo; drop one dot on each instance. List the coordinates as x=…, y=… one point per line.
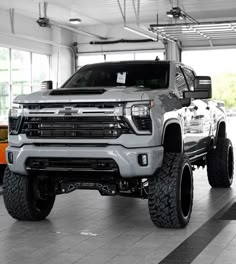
x=85, y=227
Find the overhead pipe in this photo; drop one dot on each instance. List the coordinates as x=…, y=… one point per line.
x=12, y=17
x=120, y=41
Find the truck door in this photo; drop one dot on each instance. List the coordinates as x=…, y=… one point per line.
x=199, y=125
x=185, y=113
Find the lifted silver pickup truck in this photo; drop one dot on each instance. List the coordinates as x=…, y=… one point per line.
x=134, y=128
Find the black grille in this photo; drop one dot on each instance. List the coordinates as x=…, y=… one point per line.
x=143, y=123
x=75, y=127
x=72, y=164
x=99, y=105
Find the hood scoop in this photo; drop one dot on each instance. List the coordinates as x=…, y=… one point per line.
x=77, y=91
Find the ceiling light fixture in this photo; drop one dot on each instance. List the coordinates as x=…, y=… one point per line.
x=140, y=33
x=75, y=21
x=43, y=20
x=178, y=13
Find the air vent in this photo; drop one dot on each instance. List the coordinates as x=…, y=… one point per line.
x=72, y=164
x=77, y=91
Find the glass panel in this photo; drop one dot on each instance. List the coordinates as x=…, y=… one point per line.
x=40, y=70
x=220, y=65
x=21, y=68
x=4, y=100
x=20, y=89
x=149, y=55
x=4, y=65
x=4, y=83
x=190, y=78
x=142, y=75
x=120, y=57
x=89, y=59
x=180, y=82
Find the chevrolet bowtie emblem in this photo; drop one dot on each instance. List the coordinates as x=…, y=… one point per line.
x=68, y=111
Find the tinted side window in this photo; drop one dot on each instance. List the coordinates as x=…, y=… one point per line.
x=190, y=78
x=180, y=82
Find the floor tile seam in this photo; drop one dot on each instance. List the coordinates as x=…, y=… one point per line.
x=214, y=218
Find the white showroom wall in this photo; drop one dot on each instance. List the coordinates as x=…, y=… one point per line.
x=29, y=36
x=62, y=59
x=23, y=26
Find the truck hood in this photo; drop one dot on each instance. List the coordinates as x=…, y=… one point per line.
x=116, y=94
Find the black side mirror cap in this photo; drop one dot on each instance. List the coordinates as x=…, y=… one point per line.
x=47, y=85
x=185, y=102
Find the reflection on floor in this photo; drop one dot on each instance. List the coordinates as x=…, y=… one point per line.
x=85, y=227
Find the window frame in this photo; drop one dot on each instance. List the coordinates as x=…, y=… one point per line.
x=178, y=68
x=185, y=69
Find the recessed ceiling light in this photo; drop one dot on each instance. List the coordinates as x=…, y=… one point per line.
x=75, y=21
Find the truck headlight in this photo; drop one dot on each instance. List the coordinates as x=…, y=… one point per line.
x=140, y=114
x=16, y=110
x=15, y=114
x=140, y=110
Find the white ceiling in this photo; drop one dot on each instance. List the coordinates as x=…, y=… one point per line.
x=107, y=12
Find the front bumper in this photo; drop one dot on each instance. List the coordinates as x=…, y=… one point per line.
x=126, y=159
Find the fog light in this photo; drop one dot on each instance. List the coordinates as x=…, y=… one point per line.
x=10, y=157
x=143, y=159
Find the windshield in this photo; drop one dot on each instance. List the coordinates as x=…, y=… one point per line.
x=153, y=76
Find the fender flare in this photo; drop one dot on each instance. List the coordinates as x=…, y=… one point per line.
x=221, y=121
x=169, y=122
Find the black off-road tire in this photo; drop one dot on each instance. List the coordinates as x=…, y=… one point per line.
x=220, y=164
x=170, y=196
x=22, y=199
x=2, y=169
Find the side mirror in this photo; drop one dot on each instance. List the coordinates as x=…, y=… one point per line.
x=202, y=88
x=46, y=85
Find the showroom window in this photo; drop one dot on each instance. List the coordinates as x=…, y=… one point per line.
x=89, y=59
x=220, y=65
x=149, y=55
x=40, y=70
x=119, y=56
x=21, y=72
x=4, y=81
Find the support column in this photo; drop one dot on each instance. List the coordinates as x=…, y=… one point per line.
x=173, y=50
x=62, y=63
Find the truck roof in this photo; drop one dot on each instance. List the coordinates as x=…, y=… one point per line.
x=130, y=62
